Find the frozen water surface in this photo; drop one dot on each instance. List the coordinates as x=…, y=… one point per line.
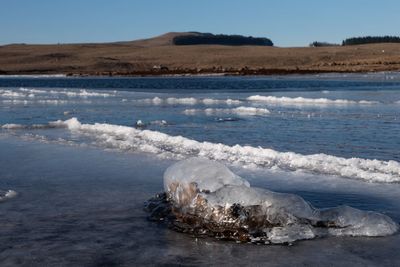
x=84, y=206
x=73, y=190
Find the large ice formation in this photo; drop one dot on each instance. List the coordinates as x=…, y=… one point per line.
x=204, y=197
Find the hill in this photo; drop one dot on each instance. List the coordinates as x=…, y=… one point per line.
x=159, y=55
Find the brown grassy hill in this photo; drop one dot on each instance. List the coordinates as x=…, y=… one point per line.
x=159, y=56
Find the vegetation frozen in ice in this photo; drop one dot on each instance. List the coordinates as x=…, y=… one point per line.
x=204, y=197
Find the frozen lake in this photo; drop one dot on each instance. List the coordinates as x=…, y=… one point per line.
x=84, y=154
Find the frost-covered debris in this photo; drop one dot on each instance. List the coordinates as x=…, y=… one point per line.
x=204, y=197
x=244, y=111
x=7, y=194
x=142, y=124
x=306, y=101
x=227, y=119
x=129, y=138
x=159, y=122
x=189, y=101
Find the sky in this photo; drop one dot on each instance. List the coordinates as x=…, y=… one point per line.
x=285, y=22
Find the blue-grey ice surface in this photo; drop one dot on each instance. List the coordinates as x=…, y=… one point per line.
x=80, y=165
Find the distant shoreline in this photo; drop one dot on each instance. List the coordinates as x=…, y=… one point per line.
x=190, y=73
x=160, y=57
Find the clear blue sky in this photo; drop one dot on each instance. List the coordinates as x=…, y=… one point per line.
x=286, y=22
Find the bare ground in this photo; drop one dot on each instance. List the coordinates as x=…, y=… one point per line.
x=157, y=56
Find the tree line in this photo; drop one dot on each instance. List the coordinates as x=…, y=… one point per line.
x=220, y=39
x=322, y=44
x=197, y=38
x=360, y=41
x=371, y=40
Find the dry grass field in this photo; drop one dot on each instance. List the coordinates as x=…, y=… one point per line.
x=158, y=55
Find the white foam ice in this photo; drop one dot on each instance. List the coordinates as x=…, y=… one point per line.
x=192, y=111
x=81, y=93
x=4, y=93
x=210, y=195
x=212, y=101
x=31, y=93
x=170, y=101
x=52, y=101
x=72, y=124
x=189, y=101
x=43, y=102
x=12, y=126
x=184, y=100
x=156, y=100
x=17, y=102
x=306, y=101
x=244, y=111
x=129, y=138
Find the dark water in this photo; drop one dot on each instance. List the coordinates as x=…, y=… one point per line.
x=207, y=84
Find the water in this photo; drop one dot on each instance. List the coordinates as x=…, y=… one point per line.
x=81, y=192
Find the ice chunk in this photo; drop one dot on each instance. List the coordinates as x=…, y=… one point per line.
x=4, y=195
x=244, y=111
x=353, y=222
x=32, y=91
x=12, y=126
x=28, y=92
x=184, y=100
x=211, y=101
x=11, y=94
x=183, y=179
x=80, y=93
x=205, y=197
x=159, y=122
x=140, y=123
x=306, y=101
x=72, y=124
x=189, y=101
